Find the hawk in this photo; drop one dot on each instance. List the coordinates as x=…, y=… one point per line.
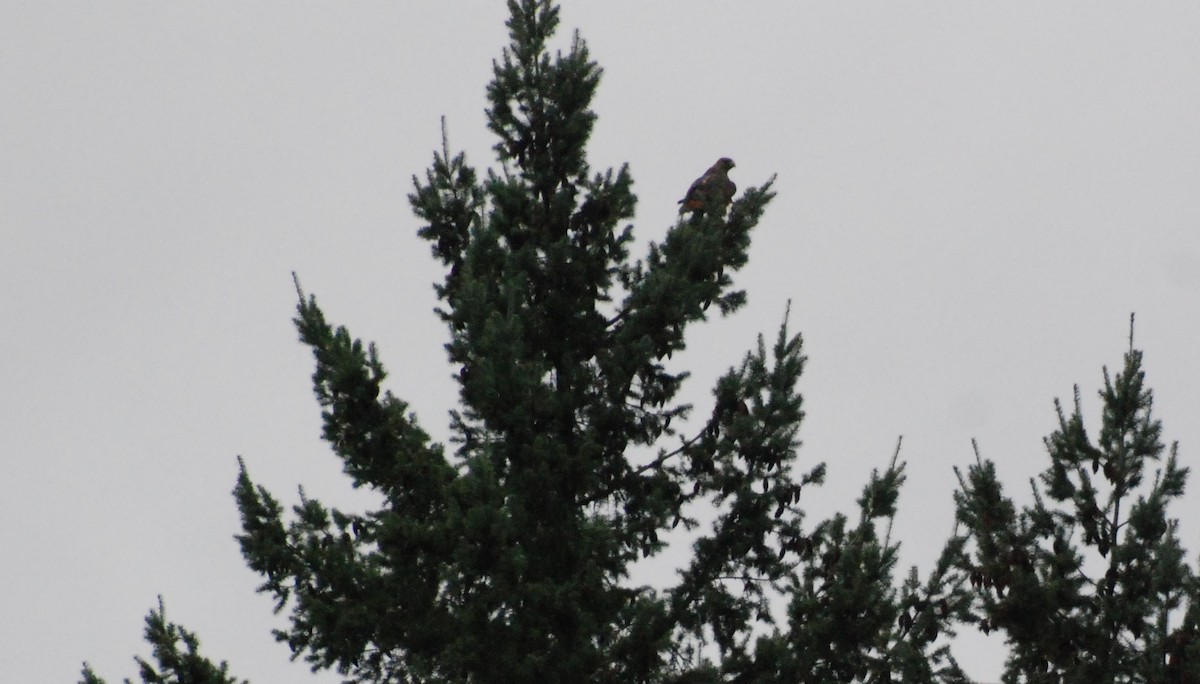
x=713, y=184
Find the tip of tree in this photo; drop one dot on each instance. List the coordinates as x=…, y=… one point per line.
x=299, y=290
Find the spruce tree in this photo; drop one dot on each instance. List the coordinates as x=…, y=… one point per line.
x=506, y=557
x=175, y=665
x=1088, y=582
x=507, y=560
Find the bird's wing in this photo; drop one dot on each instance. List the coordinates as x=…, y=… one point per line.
x=698, y=188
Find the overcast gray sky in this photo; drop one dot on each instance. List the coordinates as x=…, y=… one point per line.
x=972, y=199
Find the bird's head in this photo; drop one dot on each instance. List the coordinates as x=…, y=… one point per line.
x=725, y=163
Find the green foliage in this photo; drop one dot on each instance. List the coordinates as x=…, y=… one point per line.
x=846, y=619
x=508, y=561
x=174, y=665
x=1088, y=583
x=507, y=556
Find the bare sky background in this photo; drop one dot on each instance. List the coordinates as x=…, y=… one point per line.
x=972, y=199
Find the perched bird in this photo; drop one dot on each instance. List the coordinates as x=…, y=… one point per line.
x=713, y=184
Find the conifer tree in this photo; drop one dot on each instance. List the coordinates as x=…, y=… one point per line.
x=1088, y=583
x=506, y=558
x=175, y=665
